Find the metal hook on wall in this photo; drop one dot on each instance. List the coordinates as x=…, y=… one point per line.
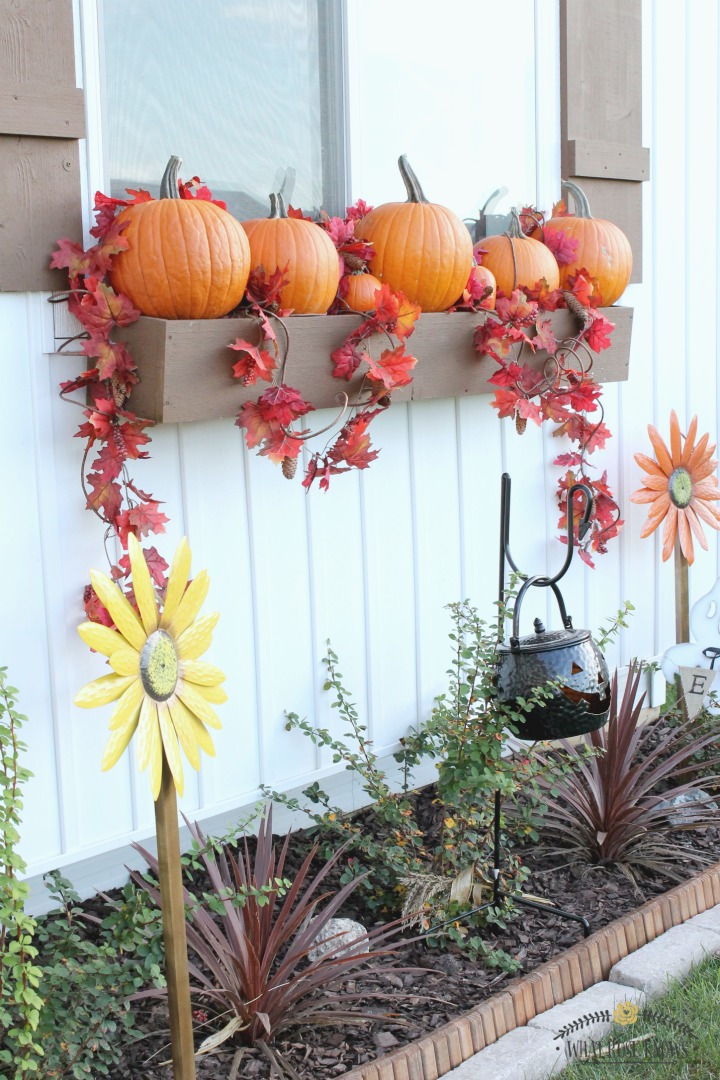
x=506, y=556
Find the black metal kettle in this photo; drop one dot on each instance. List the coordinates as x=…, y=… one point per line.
x=581, y=700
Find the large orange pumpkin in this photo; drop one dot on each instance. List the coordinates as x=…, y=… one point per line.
x=361, y=289
x=307, y=251
x=421, y=248
x=188, y=258
x=602, y=248
x=517, y=261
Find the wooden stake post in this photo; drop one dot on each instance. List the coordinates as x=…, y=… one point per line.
x=682, y=601
x=173, y=917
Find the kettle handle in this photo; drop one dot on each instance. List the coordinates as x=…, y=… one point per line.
x=542, y=582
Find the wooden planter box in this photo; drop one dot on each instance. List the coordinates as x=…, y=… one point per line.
x=185, y=367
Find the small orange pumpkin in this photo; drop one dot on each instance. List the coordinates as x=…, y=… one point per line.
x=307, y=251
x=188, y=258
x=486, y=279
x=602, y=248
x=421, y=248
x=361, y=289
x=516, y=261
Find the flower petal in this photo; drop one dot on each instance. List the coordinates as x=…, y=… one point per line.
x=128, y=704
x=706, y=489
x=197, y=704
x=675, y=440
x=650, y=466
x=101, y=638
x=177, y=582
x=699, y=454
x=125, y=661
x=147, y=726
x=103, y=690
x=118, y=741
x=196, y=671
x=156, y=761
x=643, y=495
x=661, y=451
x=709, y=514
x=686, y=544
x=696, y=527
x=142, y=586
x=202, y=735
x=214, y=694
x=197, y=638
x=121, y=610
x=189, y=606
x=669, y=533
x=656, y=514
x=689, y=442
x=182, y=722
x=170, y=745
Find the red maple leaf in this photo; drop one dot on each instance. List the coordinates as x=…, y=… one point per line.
x=516, y=309
x=407, y=315
x=104, y=496
x=358, y=210
x=317, y=466
x=570, y=459
x=392, y=368
x=101, y=308
x=585, y=288
x=140, y=520
x=352, y=446
x=589, y=435
x=347, y=359
x=283, y=404
x=545, y=339
x=264, y=290
x=505, y=401
x=563, y=247
x=506, y=375
x=528, y=410
x=257, y=427
x=598, y=332
x=111, y=244
x=296, y=212
x=73, y=258
x=584, y=397
x=95, y=611
x=253, y=363
x=155, y=563
x=280, y=444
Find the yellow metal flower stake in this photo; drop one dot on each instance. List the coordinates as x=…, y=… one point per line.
x=164, y=693
x=681, y=487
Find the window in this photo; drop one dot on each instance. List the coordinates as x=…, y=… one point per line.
x=247, y=92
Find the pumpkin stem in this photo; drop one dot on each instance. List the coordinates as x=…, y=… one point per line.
x=169, y=182
x=515, y=229
x=412, y=184
x=277, y=206
x=582, y=207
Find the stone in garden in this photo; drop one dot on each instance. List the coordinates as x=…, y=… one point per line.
x=343, y=932
x=686, y=808
x=670, y=956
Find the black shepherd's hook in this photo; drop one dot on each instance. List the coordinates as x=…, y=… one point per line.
x=505, y=555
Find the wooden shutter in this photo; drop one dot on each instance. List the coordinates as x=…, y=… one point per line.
x=601, y=110
x=41, y=119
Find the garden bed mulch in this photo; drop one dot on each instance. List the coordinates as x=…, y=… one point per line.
x=458, y=1006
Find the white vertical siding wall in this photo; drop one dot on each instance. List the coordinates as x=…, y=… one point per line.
x=372, y=564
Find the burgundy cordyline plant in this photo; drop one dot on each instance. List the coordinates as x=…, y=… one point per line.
x=614, y=807
x=253, y=942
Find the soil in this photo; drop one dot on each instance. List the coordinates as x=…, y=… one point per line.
x=414, y=1004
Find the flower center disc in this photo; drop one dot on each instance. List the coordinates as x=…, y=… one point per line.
x=680, y=488
x=159, y=666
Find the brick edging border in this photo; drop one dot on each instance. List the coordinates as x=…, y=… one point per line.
x=576, y=969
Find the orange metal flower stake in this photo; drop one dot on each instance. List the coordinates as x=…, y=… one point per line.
x=163, y=693
x=681, y=487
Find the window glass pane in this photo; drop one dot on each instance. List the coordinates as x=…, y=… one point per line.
x=452, y=85
x=241, y=90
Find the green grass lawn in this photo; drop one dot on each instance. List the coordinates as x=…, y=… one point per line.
x=684, y=1036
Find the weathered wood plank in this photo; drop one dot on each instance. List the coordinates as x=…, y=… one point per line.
x=607, y=160
x=186, y=366
x=37, y=110
x=37, y=42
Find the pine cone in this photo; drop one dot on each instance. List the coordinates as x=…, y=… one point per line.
x=289, y=467
x=520, y=423
x=353, y=262
x=118, y=392
x=574, y=305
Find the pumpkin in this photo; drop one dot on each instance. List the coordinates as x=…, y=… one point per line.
x=187, y=259
x=421, y=248
x=361, y=289
x=486, y=279
x=602, y=248
x=313, y=268
x=516, y=261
